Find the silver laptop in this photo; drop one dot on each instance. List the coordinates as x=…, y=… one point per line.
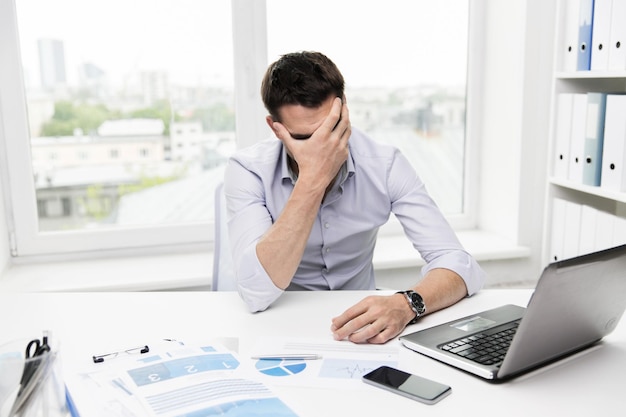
x=576, y=303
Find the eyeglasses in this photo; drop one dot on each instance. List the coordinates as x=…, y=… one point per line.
x=139, y=350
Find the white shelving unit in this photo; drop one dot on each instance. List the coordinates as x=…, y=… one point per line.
x=596, y=197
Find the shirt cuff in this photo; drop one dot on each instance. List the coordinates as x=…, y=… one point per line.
x=255, y=287
x=464, y=265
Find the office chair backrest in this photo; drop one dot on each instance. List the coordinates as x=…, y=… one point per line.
x=223, y=269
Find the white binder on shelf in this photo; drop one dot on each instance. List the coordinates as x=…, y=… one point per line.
x=604, y=230
x=617, y=51
x=588, y=226
x=601, y=35
x=585, y=29
x=557, y=233
x=569, y=45
x=614, y=149
x=619, y=231
x=594, y=138
x=577, y=138
x=571, y=235
x=561, y=154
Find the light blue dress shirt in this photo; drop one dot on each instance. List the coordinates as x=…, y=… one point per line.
x=375, y=181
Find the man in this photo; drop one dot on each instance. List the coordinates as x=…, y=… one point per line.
x=304, y=210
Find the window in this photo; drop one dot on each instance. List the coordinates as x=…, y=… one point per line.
x=102, y=84
x=116, y=136
x=405, y=66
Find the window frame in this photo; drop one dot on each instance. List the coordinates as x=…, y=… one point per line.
x=250, y=61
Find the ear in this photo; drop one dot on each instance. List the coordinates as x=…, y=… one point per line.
x=270, y=123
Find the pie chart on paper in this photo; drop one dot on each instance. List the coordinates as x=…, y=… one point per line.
x=280, y=367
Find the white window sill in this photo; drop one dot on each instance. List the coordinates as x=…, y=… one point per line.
x=397, y=252
x=138, y=273
x=194, y=270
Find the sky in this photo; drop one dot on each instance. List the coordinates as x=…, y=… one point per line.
x=376, y=41
x=388, y=42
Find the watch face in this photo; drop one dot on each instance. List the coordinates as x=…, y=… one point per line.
x=417, y=301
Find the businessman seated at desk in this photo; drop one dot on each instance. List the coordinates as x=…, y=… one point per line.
x=304, y=209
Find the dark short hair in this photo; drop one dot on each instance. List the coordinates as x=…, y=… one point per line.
x=303, y=78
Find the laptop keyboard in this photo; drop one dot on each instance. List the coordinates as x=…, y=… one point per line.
x=484, y=348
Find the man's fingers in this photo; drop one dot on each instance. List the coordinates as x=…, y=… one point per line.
x=347, y=323
x=366, y=333
x=280, y=131
x=374, y=319
x=334, y=116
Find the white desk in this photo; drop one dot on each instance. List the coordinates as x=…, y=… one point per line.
x=590, y=383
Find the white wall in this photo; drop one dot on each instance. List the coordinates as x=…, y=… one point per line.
x=518, y=69
x=500, y=120
x=4, y=234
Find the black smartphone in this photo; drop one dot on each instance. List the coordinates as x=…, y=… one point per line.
x=407, y=385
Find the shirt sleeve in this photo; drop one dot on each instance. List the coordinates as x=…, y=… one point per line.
x=426, y=227
x=248, y=220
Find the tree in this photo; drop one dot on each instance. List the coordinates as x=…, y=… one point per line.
x=68, y=116
x=219, y=117
x=160, y=110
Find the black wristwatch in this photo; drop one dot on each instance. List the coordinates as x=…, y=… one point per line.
x=416, y=302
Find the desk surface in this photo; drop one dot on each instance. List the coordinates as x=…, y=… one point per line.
x=590, y=382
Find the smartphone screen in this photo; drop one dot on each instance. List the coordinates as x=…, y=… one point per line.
x=408, y=385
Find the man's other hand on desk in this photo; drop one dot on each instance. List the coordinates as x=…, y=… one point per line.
x=375, y=319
